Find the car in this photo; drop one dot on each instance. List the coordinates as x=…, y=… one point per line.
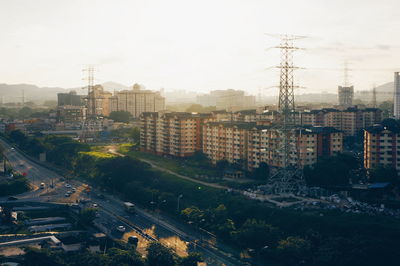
x=21, y=164
x=69, y=192
x=67, y=185
x=12, y=198
x=73, y=189
x=94, y=205
x=42, y=185
x=12, y=149
x=67, y=195
x=121, y=228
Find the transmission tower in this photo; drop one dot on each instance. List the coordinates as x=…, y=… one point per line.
x=288, y=179
x=90, y=98
x=90, y=104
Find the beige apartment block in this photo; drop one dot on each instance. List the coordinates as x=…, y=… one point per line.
x=136, y=101
x=381, y=147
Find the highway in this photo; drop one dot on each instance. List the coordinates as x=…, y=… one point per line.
x=144, y=224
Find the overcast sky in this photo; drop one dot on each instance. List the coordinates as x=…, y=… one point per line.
x=197, y=45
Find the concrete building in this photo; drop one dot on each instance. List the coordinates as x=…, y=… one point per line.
x=70, y=98
x=101, y=101
x=396, y=99
x=176, y=134
x=249, y=144
x=69, y=114
x=382, y=146
x=226, y=141
x=346, y=95
x=137, y=101
x=350, y=120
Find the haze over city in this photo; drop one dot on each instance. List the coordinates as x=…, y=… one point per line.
x=199, y=133
x=197, y=45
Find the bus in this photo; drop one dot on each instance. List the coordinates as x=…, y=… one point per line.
x=129, y=207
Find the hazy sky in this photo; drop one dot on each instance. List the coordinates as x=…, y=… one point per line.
x=197, y=45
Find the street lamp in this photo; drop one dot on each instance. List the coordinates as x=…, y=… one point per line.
x=179, y=198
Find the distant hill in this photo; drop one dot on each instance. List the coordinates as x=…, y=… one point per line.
x=13, y=92
x=111, y=86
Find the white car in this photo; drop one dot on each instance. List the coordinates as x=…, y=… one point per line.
x=121, y=228
x=67, y=185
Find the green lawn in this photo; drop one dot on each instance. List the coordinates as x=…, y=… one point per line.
x=185, y=167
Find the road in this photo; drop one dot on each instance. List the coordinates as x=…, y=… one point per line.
x=179, y=237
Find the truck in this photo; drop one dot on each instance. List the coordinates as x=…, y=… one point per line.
x=129, y=207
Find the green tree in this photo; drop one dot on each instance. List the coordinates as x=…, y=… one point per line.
x=158, y=255
x=87, y=216
x=119, y=257
x=262, y=172
x=25, y=112
x=256, y=234
x=191, y=260
x=36, y=257
x=193, y=214
x=321, y=173
x=294, y=250
x=120, y=116
x=384, y=174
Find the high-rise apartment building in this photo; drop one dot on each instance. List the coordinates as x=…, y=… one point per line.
x=396, y=99
x=137, y=101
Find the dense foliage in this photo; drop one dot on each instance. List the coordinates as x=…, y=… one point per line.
x=157, y=255
x=13, y=186
x=121, y=116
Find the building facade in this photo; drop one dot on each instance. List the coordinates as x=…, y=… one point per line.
x=350, y=120
x=70, y=98
x=137, y=101
x=249, y=144
x=177, y=134
x=382, y=147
